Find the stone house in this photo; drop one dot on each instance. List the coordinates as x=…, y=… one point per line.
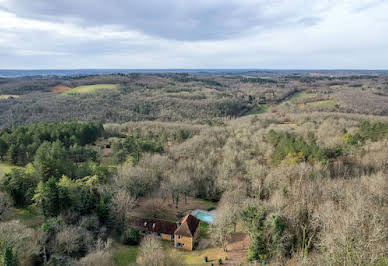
x=184, y=234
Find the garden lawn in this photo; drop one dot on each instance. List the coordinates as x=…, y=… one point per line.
x=203, y=230
x=197, y=257
x=124, y=255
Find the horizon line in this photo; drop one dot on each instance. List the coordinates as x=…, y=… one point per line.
x=148, y=69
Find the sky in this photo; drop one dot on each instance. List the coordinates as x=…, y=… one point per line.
x=227, y=34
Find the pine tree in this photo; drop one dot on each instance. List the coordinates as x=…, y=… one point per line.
x=10, y=258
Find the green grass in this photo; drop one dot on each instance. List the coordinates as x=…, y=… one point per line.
x=209, y=205
x=30, y=216
x=6, y=168
x=302, y=95
x=124, y=255
x=203, y=230
x=90, y=88
x=261, y=109
x=197, y=257
x=329, y=103
x=336, y=86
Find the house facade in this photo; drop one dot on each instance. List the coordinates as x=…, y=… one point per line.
x=184, y=234
x=187, y=233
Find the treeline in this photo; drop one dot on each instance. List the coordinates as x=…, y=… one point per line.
x=63, y=179
x=19, y=145
x=368, y=131
x=258, y=80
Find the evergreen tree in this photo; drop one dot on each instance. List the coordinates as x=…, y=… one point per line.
x=10, y=257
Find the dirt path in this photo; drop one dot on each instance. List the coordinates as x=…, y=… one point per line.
x=237, y=249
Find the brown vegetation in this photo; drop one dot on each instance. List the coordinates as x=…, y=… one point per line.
x=60, y=89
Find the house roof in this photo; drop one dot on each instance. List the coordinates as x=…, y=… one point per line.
x=154, y=225
x=188, y=226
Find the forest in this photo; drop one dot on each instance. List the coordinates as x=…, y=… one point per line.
x=295, y=167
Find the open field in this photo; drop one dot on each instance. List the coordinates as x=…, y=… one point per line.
x=323, y=103
x=302, y=95
x=60, y=88
x=8, y=96
x=90, y=88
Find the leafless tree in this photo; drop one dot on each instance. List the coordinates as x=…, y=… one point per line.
x=122, y=205
x=5, y=206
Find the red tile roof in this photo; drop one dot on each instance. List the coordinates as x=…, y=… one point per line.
x=188, y=226
x=154, y=225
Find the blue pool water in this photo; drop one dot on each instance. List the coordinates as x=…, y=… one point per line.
x=204, y=217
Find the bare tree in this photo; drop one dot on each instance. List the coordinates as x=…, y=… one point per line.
x=122, y=204
x=151, y=252
x=5, y=206
x=72, y=239
x=22, y=238
x=222, y=229
x=99, y=257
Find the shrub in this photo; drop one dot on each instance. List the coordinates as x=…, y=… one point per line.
x=220, y=261
x=131, y=236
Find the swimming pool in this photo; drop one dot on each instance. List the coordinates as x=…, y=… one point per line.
x=204, y=216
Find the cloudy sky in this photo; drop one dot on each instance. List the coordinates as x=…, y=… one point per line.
x=276, y=34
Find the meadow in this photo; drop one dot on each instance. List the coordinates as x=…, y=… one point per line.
x=90, y=88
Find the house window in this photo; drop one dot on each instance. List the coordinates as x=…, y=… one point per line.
x=179, y=237
x=172, y=237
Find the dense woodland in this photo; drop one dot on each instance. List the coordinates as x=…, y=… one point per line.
x=298, y=163
x=184, y=97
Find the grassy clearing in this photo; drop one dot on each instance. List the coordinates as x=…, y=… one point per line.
x=6, y=168
x=261, y=109
x=30, y=216
x=90, y=88
x=329, y=103
x=302, y=95
x=124, y=255
x=7, y=96
x=336, y=86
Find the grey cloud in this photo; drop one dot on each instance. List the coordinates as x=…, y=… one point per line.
x=170, y=19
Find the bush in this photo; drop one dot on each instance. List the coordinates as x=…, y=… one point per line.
x=220, y=261
x=131, y=236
